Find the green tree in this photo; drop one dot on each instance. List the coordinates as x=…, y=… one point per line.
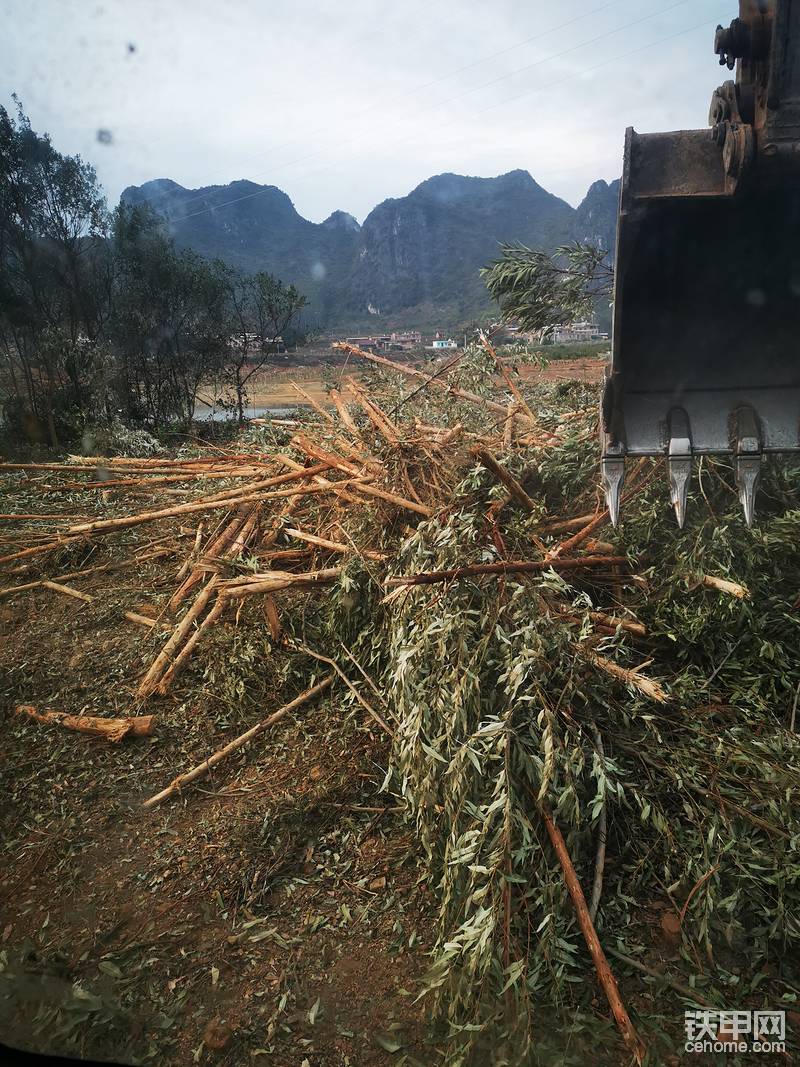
x=539, y=290
x=170, y=324
x=262, y=311
x=55, y=276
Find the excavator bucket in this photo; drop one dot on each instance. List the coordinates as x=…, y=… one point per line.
x=706, y=342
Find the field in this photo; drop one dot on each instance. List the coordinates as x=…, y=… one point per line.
x=273, y=388
x=440, y=559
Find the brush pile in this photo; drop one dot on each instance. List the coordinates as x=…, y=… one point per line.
x=593, y=731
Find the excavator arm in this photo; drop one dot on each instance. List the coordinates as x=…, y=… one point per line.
x=706, y=338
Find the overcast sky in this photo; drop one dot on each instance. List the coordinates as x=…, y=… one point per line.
x=343, y=103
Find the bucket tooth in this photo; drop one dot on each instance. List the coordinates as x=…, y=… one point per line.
x=613, y=475
x=748, y=460
x=748, y=469
x=679, y=461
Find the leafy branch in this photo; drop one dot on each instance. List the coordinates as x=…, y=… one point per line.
x=539, y=290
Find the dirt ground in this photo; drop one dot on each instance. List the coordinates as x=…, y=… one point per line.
x=270, y=914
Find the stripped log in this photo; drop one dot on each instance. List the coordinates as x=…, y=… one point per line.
x=103, y=526
x=379, y=419
x=203, y=768
x=151, y=679
x=239, y=543
x=392, y=498
x=333, y=546
x=191, y=559
x=218, y=545
x=310, y=400
x=334, y=487
x=271, y=581
x=521, y=402
x=145, y=481
x=108, y=729
x=177, y=665
x=356, y=454
x=344, y=414
x=361, y=485
x=315, y=451
x=508, y=427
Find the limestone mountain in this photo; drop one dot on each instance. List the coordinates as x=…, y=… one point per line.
x=416, y=256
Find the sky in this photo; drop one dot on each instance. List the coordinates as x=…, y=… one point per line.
x=343, y=103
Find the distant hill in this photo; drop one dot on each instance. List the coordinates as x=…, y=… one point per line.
x=416, y=257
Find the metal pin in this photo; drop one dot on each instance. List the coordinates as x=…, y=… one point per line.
x=679, y=461
x=748, y=460
x=612, y=473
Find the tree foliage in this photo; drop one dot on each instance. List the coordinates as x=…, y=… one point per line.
x=539, y=290
x=261, y=310
x=101, y=315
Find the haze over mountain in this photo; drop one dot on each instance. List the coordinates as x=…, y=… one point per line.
x=414, y=259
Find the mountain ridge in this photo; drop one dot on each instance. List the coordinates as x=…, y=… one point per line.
x=418, y=254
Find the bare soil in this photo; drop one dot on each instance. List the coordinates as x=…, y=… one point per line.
x=263, y=916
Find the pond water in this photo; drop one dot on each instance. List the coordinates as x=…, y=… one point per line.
x=204, y=413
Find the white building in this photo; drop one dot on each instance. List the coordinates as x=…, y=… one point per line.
x=576, y=332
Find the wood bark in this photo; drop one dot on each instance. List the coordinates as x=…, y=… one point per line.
x=604, y=972
x=504, y=476
x=95, y=726
x=167, y=653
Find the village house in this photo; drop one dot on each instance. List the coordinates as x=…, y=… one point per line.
x=576, y=332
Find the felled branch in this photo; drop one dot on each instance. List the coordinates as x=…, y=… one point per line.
x=504, y=476
x=527, y=566
x=604, y=972
x=647, y=686
x=203, y=768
